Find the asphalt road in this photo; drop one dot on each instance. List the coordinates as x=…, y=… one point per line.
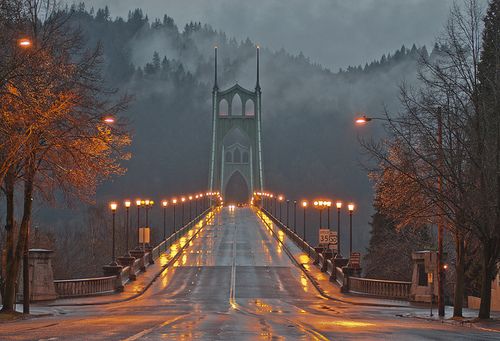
x=234, y=282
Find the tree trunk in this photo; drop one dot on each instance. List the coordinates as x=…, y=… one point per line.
x=14, y=268
x=485, y=307
x=458, y=300
x=8, y=292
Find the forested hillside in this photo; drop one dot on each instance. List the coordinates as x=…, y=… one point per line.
x=308, y=110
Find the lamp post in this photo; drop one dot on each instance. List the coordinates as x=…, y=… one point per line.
x=287, y=213
x=338, y=204
x=164, y=204
x=304, y=205
x=280, y=199
x=351, y=209
x=196, y=205
x=295, y=216
x=113, y=207
x=190, y=205
x=183, y=200
x=440, y=278
x=138, y=202
x=174, y=202
x=328, y=213
x=127, y=204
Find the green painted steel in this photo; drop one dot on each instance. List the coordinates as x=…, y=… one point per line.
x=236, y=136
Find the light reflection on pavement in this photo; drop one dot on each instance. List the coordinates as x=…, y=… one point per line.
x=233, y=282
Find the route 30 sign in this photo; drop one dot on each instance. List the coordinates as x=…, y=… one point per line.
x=327, y=239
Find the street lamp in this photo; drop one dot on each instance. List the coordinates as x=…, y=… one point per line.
x=183, y=199
x=190, y=204
x=113, y=207
x=350, y=207
x=280, y=199
x=338, y=204
x=196, y=205
x=174, y=202
x=24, y=43
x=164, y=204
x=321, y=205
x=287, y=213
x=295, y=216
x=304, y=205
x=127, y=204
x=138, y=202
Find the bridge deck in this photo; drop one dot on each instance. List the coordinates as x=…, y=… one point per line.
x=234, y=282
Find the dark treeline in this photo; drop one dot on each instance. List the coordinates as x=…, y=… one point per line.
x=310, y=143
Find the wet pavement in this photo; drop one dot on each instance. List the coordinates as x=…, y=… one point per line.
x=236, y=281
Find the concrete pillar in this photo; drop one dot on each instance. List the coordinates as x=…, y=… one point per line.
x=41, y=276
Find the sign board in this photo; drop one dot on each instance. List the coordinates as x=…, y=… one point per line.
x=324, y=237
x=328, y=239
x=333, y=241
x=354, y=260
x=144, y=235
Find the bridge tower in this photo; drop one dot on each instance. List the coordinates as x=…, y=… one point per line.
x=236, y=137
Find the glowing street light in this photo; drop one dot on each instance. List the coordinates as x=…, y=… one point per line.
x=174, y=202
x=280, y=199
x=24, y=43
x=338, y=204
x=363, y=119
x=304, y=206
x=183, y=200
x=350, y=207
x=138, y=202
x=127, y=204
x=113, y=206
x=164, y=204
x=109, y=120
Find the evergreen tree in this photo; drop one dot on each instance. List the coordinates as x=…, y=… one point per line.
x=488, y=123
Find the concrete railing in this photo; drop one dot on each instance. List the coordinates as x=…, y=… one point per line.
x=381, y=288
x=304, y=246
x=104, y=285
x=85, y=286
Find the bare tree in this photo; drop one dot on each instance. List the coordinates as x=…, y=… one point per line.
x=57, y=107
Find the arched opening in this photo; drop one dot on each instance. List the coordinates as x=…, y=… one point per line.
x=236, y=190
x=223, y=108
x=249, y=108
x=245, y=157
x=236, y=106
x=229, y=157
x=237, y=156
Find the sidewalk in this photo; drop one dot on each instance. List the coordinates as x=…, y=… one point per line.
x=331, y=291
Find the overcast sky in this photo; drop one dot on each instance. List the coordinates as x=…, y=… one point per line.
x=335, y=33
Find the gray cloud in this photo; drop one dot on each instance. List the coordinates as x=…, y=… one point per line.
x=334, y=33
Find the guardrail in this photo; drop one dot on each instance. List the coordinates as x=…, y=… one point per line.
x=84, y=286
x=109, y=284
x=347, y=282
x=381, y=288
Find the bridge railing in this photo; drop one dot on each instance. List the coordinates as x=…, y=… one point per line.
x=109, y=284
x=85, y=286
x=381, y=288
x=340, y=274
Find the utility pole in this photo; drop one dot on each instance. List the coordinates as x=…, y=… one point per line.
x=440, y=217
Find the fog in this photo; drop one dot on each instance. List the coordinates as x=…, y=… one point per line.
x=334, y=33
x=310, y=144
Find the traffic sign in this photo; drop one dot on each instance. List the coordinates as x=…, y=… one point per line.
x=328, y=239
x=324, y=237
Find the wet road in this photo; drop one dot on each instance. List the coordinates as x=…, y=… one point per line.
x=233, y=282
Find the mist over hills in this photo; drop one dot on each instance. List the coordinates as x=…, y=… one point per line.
x=310, y=143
